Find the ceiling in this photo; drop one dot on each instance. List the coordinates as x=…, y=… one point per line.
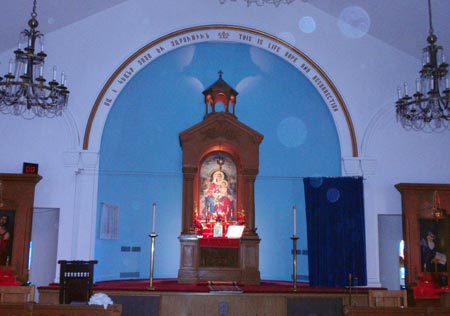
x=400, y=23
x=403, y=24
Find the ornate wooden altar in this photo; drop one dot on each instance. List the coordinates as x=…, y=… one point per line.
x=220, y=165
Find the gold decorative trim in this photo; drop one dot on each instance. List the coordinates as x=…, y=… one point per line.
x=222, y=34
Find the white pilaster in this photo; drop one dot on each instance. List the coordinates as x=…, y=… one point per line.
x=85, y=165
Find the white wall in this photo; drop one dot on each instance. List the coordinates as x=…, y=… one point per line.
x=44, y=237
x=365, y=71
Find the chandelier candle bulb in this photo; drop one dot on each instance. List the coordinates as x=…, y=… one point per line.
x=54, y=73
x=294, y=220
x=41, y=39
x=154, y=218
x=418, y=85
x=405, y=86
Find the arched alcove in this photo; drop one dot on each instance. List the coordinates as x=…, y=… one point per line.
x=224, y=34
x=148, y=101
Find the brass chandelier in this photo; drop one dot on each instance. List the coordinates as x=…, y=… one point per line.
x=428, y=108
x=23, y=90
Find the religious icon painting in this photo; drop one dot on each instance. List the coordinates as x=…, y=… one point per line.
x=218, y=188
x=7, y=219
x=433, y=245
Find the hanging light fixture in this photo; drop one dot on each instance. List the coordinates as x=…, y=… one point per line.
x=1, y=193
x=428, y=108
x=437, y=211
x=23, y=90
x=276, y=3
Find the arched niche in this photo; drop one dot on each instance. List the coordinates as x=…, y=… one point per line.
x=220, y=33
x=124, y=75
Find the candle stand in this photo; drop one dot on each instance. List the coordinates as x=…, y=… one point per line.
x=294, y=256
x=152, y=259
x=350, y=289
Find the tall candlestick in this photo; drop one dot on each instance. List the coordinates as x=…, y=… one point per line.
x=294, y=219
x=152, y=259
x=294, y=257
x=154, y=218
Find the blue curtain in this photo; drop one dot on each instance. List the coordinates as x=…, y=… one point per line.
x=336, y=233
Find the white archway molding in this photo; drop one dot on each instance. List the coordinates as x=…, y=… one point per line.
x=381, y=119
x=72, y=128
x=220, y=33
x=364, y=165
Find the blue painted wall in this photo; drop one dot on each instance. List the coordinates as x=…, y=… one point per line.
x=140, y=159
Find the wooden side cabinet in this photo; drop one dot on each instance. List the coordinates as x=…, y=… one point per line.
x=16, y=208
x=426, y=232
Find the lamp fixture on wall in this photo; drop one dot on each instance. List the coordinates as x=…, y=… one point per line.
x=1, y=193
x=23, y=90
x=276, y=3
x=428, y=108
x=438, y=212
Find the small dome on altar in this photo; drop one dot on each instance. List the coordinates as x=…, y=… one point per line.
x=220, y=91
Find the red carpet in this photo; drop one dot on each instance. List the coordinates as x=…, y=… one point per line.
x=171, y=285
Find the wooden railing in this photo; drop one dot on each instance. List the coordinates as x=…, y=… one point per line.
x=395, y=311
x=17, y=294
x=33, y=309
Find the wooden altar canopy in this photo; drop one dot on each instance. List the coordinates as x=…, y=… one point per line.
x=220, y=165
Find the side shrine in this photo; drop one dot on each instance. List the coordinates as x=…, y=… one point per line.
x=218, y=240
